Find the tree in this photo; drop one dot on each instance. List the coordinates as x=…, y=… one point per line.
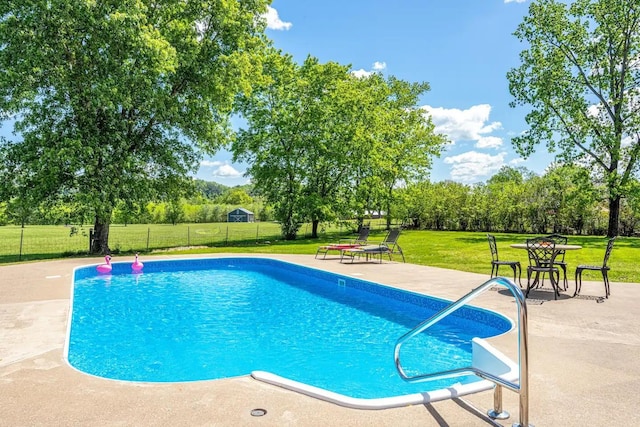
x=324, y=144
x=506, y=191
x=235, y=196
x=117, y=100
x=208, y=189
x=575, y=193
x=403, y=137
x=295, y=141
x=581, y=77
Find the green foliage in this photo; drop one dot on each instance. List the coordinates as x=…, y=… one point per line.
x=324, y=145
x=235, y=196
x=580, y=78
x=564, y=200
x=116, y=101
x=209, y=190
x=174, y=212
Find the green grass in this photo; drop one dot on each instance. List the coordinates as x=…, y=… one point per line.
x=36, y=242
x=465, y=251
x=469, y=251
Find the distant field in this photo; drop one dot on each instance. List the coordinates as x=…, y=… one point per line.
x=463, y=251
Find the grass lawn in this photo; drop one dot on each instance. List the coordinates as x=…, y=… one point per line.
x=465, y=251
x=469, y=251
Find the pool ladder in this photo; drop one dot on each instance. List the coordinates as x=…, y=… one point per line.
x=522, y=387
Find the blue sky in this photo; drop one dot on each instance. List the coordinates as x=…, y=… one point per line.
x=462, y=48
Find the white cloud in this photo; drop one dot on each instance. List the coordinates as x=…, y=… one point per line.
x=489, y=142
x=221, y=169
x=515, y=1
x=274, y=22
x=378, y=66
x=361, y=73
x=473, y=166
x=211, y=163
x=227, y=171
x=472, y=124
x=467, y=124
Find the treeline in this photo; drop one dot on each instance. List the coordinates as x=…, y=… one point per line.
x=210, y=202
x=565, y=199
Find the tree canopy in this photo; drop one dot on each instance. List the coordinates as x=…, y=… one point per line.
x=117, y=100
x=580, y=74
x=323, y=144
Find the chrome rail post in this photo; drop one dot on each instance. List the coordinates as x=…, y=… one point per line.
x=522, y=387
x=497, y=413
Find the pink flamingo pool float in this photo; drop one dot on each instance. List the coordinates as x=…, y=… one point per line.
x=137, y=265
x=105, y=268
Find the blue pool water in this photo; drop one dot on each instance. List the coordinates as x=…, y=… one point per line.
x=201, y=319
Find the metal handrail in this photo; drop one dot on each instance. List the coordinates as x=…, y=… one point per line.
x=522, y=387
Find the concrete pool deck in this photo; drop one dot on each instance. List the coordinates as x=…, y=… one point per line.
x=584, y=361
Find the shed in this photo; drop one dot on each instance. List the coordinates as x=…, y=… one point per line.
x=240, y=215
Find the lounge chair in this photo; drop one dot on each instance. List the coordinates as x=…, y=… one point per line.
x=387, y=247
x=343, y=244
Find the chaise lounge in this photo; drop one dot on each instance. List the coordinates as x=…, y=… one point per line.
x=345, y=244
x=387, y=247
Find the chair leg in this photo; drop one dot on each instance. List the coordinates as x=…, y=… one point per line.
x=605, y=277
x=520, y=275
x=517, y=272
x=566, y=281
x=578, y=281
x=513, y=267
x=554, y=282
x=529, y=284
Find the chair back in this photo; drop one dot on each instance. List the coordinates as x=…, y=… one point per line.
x=560, y=240
x=392, y=237
x=493, y=247
x=541, y=251
x=363, y=235
x=607, y=253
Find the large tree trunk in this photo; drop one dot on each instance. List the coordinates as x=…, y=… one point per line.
x=614, y=216
x=314, y=228
x=100, y=241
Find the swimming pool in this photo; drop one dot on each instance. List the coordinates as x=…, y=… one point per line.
x=316, y=332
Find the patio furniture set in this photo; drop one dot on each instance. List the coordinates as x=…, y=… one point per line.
x=546, y=256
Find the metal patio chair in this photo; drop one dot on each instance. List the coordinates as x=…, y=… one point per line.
x=496, y=262
x=604, y=269
x=559, y=260
x=542, y=253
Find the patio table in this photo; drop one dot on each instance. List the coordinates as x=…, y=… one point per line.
x=557, y=249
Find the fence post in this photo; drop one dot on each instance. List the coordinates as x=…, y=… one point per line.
x=188, y=236
x=257, y=230
x=21, y=238
x=226, y=239
x=148, y=236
